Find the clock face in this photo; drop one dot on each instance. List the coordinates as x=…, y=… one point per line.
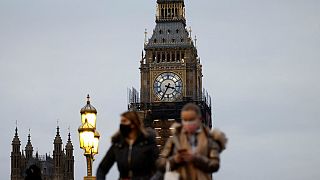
x=168, y=86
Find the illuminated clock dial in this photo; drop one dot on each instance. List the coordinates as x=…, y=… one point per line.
x=168, y=86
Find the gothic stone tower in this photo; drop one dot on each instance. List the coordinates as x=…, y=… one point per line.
x=58, y=167
x=58, y=157
x=16, y=157
x=171, y=72
x=29, y=148
x=69, y=160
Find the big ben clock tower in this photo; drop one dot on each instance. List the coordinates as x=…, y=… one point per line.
x=171, y=72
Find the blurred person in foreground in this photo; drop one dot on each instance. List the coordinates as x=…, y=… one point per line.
x=134, y=150
x=193, y=150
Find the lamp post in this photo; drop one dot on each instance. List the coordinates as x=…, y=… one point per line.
x=89, y=136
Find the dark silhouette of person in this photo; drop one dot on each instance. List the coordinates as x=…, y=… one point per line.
x=33, y=173
x=133, y=148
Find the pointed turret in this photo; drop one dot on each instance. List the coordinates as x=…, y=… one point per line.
x=29, y=148
x=16, y=141
x=58, y=156
x=69, y=167
x=57, y=139
x=69, y=145
x=15, y=157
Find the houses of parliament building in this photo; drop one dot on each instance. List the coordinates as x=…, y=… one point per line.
x=59, y=166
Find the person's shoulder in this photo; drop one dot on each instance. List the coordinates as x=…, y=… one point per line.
x=116, y=138
x=176, y=128
x=150, y=134
x=219, y=137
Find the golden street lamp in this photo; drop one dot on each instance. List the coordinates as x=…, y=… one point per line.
x=95, y=149
x=86, y=137
x=89, y=136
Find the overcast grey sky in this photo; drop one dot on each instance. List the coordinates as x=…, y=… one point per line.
x=261, y=61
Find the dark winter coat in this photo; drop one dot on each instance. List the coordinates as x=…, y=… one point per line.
x=136, y=162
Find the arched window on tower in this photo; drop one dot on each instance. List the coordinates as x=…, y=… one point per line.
x=168, y=57
x=178, y=56
x=158, y=57
x=162, y=12
x=154, y=57
x=163, y=57
x=165, y=12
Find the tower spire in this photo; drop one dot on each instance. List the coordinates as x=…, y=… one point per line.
x=15, y=156
x=69, y=136
x=29, y=148
x=16, y=140
x=58, y=130
x=16, y=130
x=57, y=139
x=29, y=137
x=57, y=155
x=69, y=157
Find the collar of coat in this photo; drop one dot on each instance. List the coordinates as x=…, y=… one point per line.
x=177, y=128
x=215, y=134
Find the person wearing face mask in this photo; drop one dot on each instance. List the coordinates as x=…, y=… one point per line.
x=134, y=150
x=193, y=150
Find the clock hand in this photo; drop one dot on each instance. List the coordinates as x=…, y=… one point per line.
x=171, y=87
x=167, y=86
x=164, y=93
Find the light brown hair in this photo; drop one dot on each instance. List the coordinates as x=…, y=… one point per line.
x=192, y=107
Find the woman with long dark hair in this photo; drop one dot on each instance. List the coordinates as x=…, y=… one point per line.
x=134, y=150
